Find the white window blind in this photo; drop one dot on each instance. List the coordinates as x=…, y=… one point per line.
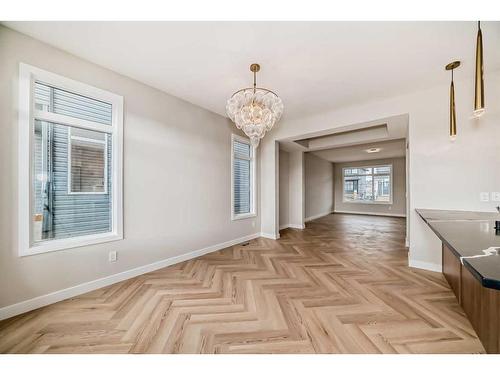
x=243, y=175
x=55, y=100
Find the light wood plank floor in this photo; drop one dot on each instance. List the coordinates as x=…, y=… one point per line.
x=342, y=285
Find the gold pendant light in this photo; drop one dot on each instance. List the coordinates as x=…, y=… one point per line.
x=255, y=110
x=453, y=116
x=479, y=86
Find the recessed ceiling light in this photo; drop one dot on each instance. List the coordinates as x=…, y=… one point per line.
x=372, y=150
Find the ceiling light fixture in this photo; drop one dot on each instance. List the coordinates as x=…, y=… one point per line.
x=453, y=116
x=372, y=150
x=479, y=86
x=255, y=110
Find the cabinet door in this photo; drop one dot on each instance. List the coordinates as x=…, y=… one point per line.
x=482, y=307
x=452, y=269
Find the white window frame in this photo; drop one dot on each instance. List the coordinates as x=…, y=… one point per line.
x=28, y=75
x=253, y=179
x=373, y=182
x=89, y=140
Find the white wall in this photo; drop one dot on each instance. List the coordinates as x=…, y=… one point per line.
x=319, y=186
x=176, y=178
x=442, y=174
x=398, y=206
x=284, y=189
x=296, y=200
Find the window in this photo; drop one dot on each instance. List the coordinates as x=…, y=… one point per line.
x=87, y=162
x=70, y=160
x=243, y=178
x=368, y=184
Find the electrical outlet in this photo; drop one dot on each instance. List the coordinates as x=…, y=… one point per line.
x=253, y=223
x=484, y=196
x=112, y=256
x=495, y=196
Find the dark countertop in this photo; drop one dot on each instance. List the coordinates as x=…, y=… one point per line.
x=467, y=233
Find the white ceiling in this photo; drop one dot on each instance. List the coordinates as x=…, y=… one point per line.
x=388, y=149
x=378, y=130
x=313, y=66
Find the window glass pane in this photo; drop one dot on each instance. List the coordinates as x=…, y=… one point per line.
x=386, y=169
x=88, y=134
x=368, y=185
x=59, y=101
x=88, y=166
x=242, y=186
x=382, y=186
x=57, y=213
x=357, y=171
x=358, y=188
x=241, y=149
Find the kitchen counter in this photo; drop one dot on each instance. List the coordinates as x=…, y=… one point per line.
x=472, y=273
x=467, y=234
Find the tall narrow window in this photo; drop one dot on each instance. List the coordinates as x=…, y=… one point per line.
x=243, y=178
x=368, y=184
x=70, y=163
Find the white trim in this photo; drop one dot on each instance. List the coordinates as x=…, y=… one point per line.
x=243, y=216
x=75, y=122
x=368, y=213
x=25, y=118
x=292, y=226
x=425, y=265
x=47, y=299
x=314, y=217
x=253, y=179
x=68, y=84
x=26, y=115
x=71, y=243
x=296, y=226
x=270, y=236
x=390, y=202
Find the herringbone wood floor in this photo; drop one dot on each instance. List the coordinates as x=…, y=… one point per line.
x=342, y=285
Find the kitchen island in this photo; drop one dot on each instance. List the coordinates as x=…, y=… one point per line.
x=471, y=265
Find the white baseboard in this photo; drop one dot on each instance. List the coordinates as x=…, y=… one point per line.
x=293, y=226
x=50, y=298
x=369, y=213
x=425, y=265
x=314, y=217
x=270, y=236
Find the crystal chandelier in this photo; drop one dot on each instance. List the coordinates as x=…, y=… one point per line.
x=255, y=110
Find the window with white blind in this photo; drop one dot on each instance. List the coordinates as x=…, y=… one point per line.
x=242, y=178
x=70, y=166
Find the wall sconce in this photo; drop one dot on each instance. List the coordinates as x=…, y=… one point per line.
x=453, y=117
x=479, y=86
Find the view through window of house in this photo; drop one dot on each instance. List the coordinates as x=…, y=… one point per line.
x=72, y=166
x=88, y=162
x=368, y=184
